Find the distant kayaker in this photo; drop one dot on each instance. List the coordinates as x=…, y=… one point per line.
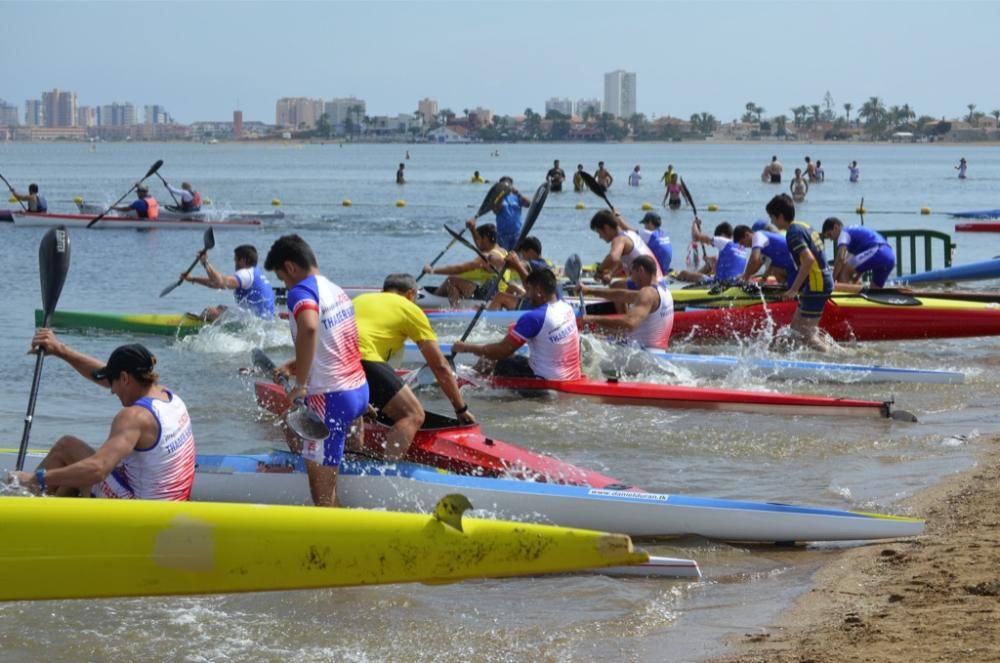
x=327, y=367
x=578, y=183
x=144, y=206
x=190, y=200
x=150, y=451
x=399, y=174
x=962, y=167
x=859, y=250
x=733, y=246
x=626, y=246
x=813, y=281
x=649, y=308
x=526, y=259
x=474, y=278
x=555, y=177
x=477, y=178
x=771, y=245
x=386, y=320
x=549, y=330
x=635, y=176
x=853, y=171
x=798, y=187
x=251, y=288
x=508, y=215
x=36, y=201
x=773, y=170
x=602, y=176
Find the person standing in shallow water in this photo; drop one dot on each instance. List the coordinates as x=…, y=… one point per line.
x=853, y=171
x=962, y=167
x=399, y=174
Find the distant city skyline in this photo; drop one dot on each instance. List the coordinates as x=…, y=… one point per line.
x=690, y=57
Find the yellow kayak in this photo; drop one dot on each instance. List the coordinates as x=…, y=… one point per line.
x=88, y=548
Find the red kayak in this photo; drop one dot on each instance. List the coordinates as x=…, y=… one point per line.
x=665, y=395
x=978, y=227
x=449, y=445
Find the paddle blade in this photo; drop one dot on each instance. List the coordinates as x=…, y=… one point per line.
x=541, y=194
x=573, y=268
x=687, y=196
x=53, y=264
x=152, y=169
x=493, y=197
x=262, y=362
x=209, y=239
x=305, y=423
x=170, y=288
x=593, y=184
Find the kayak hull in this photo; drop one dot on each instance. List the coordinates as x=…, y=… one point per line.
x=977, y=271
x=45, y=220
x=162, y=324
x=983, y=227
x=201, y=215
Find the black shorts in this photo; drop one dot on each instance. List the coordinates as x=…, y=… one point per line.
x=383, y=383
x=674, y=204
x=775, y=178
x=515, y=366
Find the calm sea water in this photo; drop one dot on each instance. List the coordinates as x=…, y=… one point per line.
x=846, y=464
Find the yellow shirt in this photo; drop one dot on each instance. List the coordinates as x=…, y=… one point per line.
x=385, y=320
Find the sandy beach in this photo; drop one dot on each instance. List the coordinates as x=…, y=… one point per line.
x=933, y=598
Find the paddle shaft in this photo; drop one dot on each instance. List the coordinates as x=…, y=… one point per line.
x=169, y=190
x=155, y=167
x=440, y=255
x=694, y=210
x=14, y=193
x=29, y=415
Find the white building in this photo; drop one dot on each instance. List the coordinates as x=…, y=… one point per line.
x=560, y=105
x=339, y=109
x=619, y=93
x=448, y=135
x=583, y=104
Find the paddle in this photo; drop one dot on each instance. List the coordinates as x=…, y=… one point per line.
x=177, y=203
x=690, y=201
x=541, y=193
x=861, y=210
x=304, y=422
x=596, y=187
x=420, y=376
x=13, y=193
x=152, y=169
x=209, y=244
x=492, y=198
x=573, y=270
x=53, y=263
x=464, y=242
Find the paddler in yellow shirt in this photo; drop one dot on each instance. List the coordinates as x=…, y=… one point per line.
x=385, y=321
x=474, y=278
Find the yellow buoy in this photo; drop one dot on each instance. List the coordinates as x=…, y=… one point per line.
x=712, y=207
x=646, y=207
x=580, y=206
x=12, y=199
x=400, y=203
x=78, y=200
x=346, y=202
x=206, y=201
x=860, y=210
x=925, y=210
x=275, y=202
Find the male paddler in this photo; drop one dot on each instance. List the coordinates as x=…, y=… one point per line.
x=859, y=250
x=327, y=367
x=649, y=309
x=626, y=246
x=385, y=321
x=144, y=206
x=474, y=278
x=36, y=201
x=150, y=450
x=549, y=330
x=249, y=284
x=190, y=199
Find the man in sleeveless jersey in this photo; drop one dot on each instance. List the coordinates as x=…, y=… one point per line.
x=474, y=278
x=36, y=201
x=385, y=321
x=655, y=237
x=859, y=250
x=772, y=246
x=549, y=330
x=649, y=310
x=813, y=281
x=252, y=290
x=150, y=450
x=626, y=246
x=327, y=367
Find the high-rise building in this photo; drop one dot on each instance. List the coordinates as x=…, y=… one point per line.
x=237, y=124
x=582, y=105
x=619, y=93
x=116, y=115
x=340, y=109
x=86, y=116
x=157, y=114
x=8, y=114
x=560, y=105
x=298, y=112
x=429, y=109
x=34, y=113
x=60, y=108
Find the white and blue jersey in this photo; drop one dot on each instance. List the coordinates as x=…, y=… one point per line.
x=553, y=340
x=732, y=260
x=868, y=251
x=774, y=247
x=254, y=292
x=659, y=243
x=654, y=332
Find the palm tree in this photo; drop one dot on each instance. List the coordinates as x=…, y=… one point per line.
x=847, y=109
x=816, y=112
x=907, y=113
x=996, y=115
x=799, y=112
x=874, y=113
x=972, y=113
x=759, y=110
x=780, y=123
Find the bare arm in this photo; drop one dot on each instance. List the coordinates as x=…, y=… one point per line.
x=840, y=264
x=85, y=365
x=305, y=349
x=127, y=430
x=613, y=260
x=219, y=280
x=753, y=264
x=697, y=235
x=499, y=350
x=458, y=268
x=618, y=295
x=806, y=261
x=442, y=371
x=637, y=313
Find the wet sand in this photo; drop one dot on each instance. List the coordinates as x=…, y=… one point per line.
x=933, y=598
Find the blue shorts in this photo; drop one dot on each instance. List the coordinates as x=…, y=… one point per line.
x=339, y=410
x=880, y=261
x=508, y=240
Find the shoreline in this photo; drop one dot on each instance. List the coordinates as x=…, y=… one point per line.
x=931, y=598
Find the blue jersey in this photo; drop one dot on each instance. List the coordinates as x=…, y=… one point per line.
x=732, y=261
x=254, y=293
x=859, y=239
x=141, y=208
x=800, y=237
x=774, y=246
x=659, y=243
x=509, y=221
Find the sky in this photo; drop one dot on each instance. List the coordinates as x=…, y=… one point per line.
x=202, y=60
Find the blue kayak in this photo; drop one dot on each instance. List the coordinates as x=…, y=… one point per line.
x=978, y=214
x=986, y=269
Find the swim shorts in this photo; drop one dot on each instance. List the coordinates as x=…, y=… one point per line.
x=339, y=410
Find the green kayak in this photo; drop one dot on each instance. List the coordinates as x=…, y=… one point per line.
x=165, y=324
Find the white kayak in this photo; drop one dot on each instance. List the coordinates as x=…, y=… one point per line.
x=49, y=219
x=170, y=212
x=720, y=366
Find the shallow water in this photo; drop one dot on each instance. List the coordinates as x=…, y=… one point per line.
x=858, y=464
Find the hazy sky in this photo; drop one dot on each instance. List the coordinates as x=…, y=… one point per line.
x=199, y=59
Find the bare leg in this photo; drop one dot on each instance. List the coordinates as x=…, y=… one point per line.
x=457, y=289
x=322, y=484
x=66, y=451
x=807, y=328
x=408, y=416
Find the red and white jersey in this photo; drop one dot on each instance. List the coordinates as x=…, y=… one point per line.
x=337, y=363
x=654, y=332
x=639, y=248
x=165, y=471
x=553, y=340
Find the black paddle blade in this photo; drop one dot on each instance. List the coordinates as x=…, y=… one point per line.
x=541, y=194
x=593, y=184
x=687, y=196
x=262, y=362
x=53, y=264
x=493, y=197
x=209, y=239
x=152, y=169
x=573, y=268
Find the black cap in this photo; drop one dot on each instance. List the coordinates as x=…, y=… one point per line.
x=133, y=358
x=651, y=217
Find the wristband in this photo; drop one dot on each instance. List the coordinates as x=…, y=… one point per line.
x=463, y=409
x=40, y=479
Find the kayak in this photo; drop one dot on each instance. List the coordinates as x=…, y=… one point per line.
x=277, y=478
x=984, y=269
x=170, y=212
x=720, y=366
x=447, y=444
x=733, y=400
x=165, y=324
x=77, y=548
x=978, y=214
x=984, y=227
x=47, y=219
